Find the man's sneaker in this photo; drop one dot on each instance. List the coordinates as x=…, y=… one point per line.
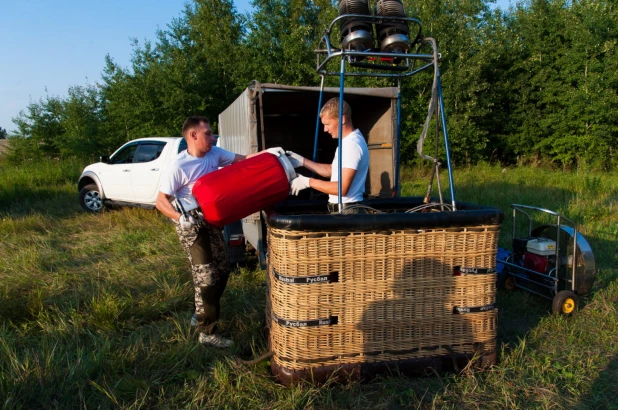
x=215, y=340
x=194, y=319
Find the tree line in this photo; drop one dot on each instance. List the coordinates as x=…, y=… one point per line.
x=536, y=82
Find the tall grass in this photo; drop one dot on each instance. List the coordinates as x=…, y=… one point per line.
x=95, y=309
x=38, y=186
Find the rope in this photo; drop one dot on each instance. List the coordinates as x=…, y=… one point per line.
x=431, y=111
x=256, y=360
x=433, y=102
x=428, y=206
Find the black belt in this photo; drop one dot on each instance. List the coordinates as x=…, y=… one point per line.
x=335, y=207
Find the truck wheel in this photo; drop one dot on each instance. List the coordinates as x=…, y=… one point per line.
x=565, y=302
x=90, y=199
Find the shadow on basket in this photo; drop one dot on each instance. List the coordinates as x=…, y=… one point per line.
x=352, y=296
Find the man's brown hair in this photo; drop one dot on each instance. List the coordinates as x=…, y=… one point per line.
x=192, y=122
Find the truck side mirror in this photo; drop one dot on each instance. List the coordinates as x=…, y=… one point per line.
x=104, y=159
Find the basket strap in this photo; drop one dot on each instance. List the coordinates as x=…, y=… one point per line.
x=473, y=309
x=304, y=280
x=332, y=320
x=461, y=270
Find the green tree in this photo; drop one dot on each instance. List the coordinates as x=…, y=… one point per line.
x=59, y=127
x=3, y=133
x=564, y=81
x=81, y=122
x=37, y=128
x=457, y=26
x=190, y=70
x=282, y=37
x=537, y=81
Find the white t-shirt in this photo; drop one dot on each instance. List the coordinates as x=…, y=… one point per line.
x=354, y=155
x=179, y=176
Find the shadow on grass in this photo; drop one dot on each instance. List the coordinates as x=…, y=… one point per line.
x=103, y=305
x=602, y=394
x=54, y=202
x=56, y=273
x=603, y=246
x=519, y=312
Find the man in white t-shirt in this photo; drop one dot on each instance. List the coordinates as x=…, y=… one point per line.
x=202, y=242
x=354, y=163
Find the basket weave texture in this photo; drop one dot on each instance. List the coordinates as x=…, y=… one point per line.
x=396, y=295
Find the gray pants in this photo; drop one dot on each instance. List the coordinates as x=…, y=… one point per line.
x=348, y=208
x=206, y=251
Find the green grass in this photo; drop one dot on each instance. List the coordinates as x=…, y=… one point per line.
x=94, y=310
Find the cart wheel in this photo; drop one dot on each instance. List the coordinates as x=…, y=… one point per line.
x=510, y=283
x=565, y=302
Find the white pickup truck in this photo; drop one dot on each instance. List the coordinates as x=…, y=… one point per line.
x=130, y=176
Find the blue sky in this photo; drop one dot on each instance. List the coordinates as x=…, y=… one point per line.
x=46, y=46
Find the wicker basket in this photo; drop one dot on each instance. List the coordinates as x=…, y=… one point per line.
x=366, y=293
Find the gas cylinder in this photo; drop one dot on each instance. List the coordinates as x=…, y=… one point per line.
x=241, y=189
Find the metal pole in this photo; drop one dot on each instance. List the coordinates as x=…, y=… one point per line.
x=574, y=261
x=340, y=131
x=397, y=190
x=514, y=221
x=317, y=122
x=448, y=151
x=558, y=256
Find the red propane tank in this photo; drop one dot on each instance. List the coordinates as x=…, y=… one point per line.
x=238, y=190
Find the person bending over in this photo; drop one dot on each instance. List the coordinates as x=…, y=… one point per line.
x=202, y=242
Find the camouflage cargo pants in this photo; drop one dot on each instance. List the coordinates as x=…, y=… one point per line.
x=206, y=251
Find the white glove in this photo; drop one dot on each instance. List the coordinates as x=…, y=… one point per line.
x=277, y=151
x=295, y=159
x=187, y=223
x=299, y=183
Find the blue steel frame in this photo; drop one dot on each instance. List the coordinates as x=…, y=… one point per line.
x=327, y=54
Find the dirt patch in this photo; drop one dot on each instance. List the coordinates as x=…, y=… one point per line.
x=3, y=146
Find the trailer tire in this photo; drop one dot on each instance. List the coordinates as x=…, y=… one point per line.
x=565, y=303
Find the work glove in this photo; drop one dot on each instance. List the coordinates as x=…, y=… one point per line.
x=295, y=159
x=299, y=183
x=277, y=151
x=186, y=222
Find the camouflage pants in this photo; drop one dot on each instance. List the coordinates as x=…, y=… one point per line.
x=206, y=251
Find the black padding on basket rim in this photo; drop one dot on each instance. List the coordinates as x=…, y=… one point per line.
x=473, y=309
x=332, y=320
x=307, y=280
x=311, y=216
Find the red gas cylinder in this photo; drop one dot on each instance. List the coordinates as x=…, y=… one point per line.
x=238, y=190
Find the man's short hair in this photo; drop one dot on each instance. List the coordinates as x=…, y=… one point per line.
x=331, y=108
x=192, y=122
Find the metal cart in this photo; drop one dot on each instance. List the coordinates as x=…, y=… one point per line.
x=553, y=261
